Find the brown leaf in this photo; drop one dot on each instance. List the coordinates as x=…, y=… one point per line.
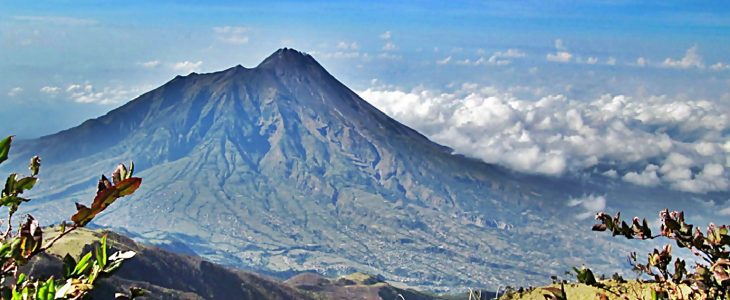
x=31, y=237
x=105, y=197
x=81, y=217
x=103, y=184
x=599, y=227
x=128, y=186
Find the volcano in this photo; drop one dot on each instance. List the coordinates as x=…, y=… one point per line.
x=282, y=169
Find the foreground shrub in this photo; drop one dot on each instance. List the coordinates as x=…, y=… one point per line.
x=18, y=247
x=707, y=280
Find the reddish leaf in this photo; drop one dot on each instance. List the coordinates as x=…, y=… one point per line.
x=105, y=196
x=81, y=217
x=128, y=186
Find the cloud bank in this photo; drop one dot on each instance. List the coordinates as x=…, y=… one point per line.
x=691, y=59
x=15, y=91
x=87, y=93
x=561, y=53
x=590, y=205
x=650, y=141
x=187, y=67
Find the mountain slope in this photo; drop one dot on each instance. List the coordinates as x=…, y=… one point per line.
x=162, y=274
x=281, y=168
x=165, y=275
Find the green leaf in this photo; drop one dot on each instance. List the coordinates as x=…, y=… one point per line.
x=14, y=249
x=113, y=266
x=131, y=170
x=51, y=289
x=68, y=265
x=95, y=270
x=82, y=265
x=25, y=184
x=101, y=258
x=103, y=252
x=21, y=278
x=10, y=184
x=42, y=292
x=35, y=165
x=5, y=148
x=47, y=290
x=97, y=255
x=17, y=295
x=5, y=248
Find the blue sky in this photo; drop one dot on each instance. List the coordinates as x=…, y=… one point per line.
x=106, y=44
x=637, y=90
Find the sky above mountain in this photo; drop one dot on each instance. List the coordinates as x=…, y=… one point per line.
x=636, y=91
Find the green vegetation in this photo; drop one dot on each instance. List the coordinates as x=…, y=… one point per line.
x=18, y=248
x=669, y=278
x=708, y=280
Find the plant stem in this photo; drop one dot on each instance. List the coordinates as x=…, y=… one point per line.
x=59, y=236
x=10, y=224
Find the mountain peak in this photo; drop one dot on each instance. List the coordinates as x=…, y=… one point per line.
x=288, y=58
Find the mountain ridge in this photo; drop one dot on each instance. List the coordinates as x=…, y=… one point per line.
x=282, y=168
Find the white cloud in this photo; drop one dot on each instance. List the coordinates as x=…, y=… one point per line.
x=389, y=56
x=719, y=66
x=649, y=141
x=348, y=46
x=561, y=54
x=444, y=61
x=501, y=58
x=232, y=34
x=611, y=61
x=51, y=90
x=725, y=211
x=87, y=93
x=712, y=178
x=592, y=60
x=610, y=173
x=691, y=59
x=498, y=58
x=591, y=204
x=343, y=55
x=150, y=64
x=187, y=67
x=15, y=91
x=510, y=53
x=648, y=177
x=389, y=46
x=641, y=62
